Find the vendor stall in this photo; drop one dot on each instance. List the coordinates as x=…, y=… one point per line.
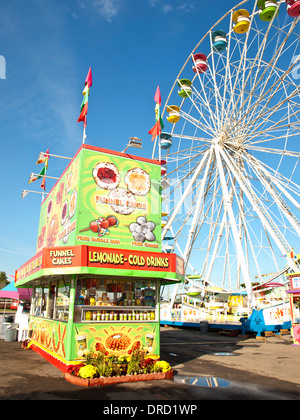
x=294, y=296
x=98, y=269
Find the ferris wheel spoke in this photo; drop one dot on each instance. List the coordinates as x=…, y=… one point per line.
x=272, y=150
x=212, y=207
x=248, y=143
x=265, y=112
x=188, y=172
x=204, y=96
x=289, y=129
x=196, y=123
x=198, y=207
x=259, y=208
x=253, y=120
x=217, y=94
x=186, y=192
x=199, y=101
x=272, y=64
x=272, y=179
x=242, y=62
x=268, y=183
x=275, y=109
x=228, y=206
x=258, y=62
x=191, y=138
x=285, y=185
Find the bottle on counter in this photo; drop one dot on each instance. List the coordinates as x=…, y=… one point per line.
x=88, y=315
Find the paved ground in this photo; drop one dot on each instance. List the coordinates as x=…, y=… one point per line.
x=255, y=370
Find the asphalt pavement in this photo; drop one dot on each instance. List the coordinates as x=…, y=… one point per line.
x=207, y=366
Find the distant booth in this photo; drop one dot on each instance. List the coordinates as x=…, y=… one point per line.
x=294, y=298
x=98, y=268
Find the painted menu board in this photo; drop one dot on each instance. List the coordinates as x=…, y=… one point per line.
x=59, y=211
x=121, y=339
x=104, y=199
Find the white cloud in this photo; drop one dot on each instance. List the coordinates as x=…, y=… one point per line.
x=186, y=7
x=154, y=3
x=177, y=5
x=105, y=8
x=167, y=8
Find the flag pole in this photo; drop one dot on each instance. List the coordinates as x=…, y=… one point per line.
x=84, y=135
x=62, y=157
x=46, y=176
x=25, y=192
x=159, y=149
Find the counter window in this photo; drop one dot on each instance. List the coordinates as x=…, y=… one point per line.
x=39, y=303
x=296, y=303
x=116, y=300
x=115, y=293
x=51, y=301
x=62, y=301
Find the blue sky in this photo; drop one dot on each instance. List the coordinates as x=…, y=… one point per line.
x=48, y=47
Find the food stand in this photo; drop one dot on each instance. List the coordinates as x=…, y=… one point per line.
x=98, y=268
x=294, y=297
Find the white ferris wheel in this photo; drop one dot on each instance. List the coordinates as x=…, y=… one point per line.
x=231, y=148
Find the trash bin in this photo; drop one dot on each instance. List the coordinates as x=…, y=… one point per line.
x=204, y=326
x=6, y=321
x=9, y=319
x=11, y=332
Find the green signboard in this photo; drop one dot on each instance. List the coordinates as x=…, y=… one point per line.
x=104, y=199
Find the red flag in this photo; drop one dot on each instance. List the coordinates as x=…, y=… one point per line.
x=159, y=125
x=83, y=114
x=84, y=104
x=157, y=97
x=43, y=184
x=155, y=130
x=89, y=79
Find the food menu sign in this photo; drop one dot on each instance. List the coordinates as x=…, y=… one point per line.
x=104, y=199
x=294, y=282
x=119, y=202
x=59, y=211
x=85, y=259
